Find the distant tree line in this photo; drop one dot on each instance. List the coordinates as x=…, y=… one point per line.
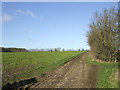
x=2, y=49
x=56, y=49
x=104, y=35
x=48, y=49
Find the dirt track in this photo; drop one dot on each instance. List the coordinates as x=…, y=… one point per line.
x=74, y=74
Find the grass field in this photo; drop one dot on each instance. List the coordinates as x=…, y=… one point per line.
x=22, y=65
x=107, y=74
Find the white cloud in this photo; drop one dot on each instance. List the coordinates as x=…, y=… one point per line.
x=20, y=11
x=6, y=17
x=30, y=13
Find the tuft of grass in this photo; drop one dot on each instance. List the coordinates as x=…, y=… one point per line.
x=106, y=73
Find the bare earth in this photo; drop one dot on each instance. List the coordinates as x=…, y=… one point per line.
x=74, y=74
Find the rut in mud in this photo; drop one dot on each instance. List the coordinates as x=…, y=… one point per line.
x=74, y=74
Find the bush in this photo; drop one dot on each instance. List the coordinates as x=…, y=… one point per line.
x=104, y=34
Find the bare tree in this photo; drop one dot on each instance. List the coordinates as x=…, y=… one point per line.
x=103, y=35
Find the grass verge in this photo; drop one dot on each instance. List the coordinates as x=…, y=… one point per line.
x=107, y=74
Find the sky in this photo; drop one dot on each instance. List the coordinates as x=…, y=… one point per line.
x=34, y=25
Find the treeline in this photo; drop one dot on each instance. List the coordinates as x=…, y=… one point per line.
x=104, y=35
x=47, y=49
x=56, y=49
x=2, y=49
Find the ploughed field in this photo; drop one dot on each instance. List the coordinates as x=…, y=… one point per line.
x=19, y=66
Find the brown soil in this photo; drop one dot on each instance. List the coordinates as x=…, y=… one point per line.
x=74, y=74
x=11, y=73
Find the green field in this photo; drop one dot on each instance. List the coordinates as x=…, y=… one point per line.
x=107, y=74
x=23, y=65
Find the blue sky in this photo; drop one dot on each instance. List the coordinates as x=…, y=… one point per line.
x=48, y=25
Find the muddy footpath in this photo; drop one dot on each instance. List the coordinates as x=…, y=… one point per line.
x=74, y=74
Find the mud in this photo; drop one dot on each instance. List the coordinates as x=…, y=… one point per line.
x=74, y=74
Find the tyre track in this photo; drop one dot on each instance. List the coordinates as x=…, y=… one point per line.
x=74, y=74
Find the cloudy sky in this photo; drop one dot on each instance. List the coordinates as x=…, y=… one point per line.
x=48, y=24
